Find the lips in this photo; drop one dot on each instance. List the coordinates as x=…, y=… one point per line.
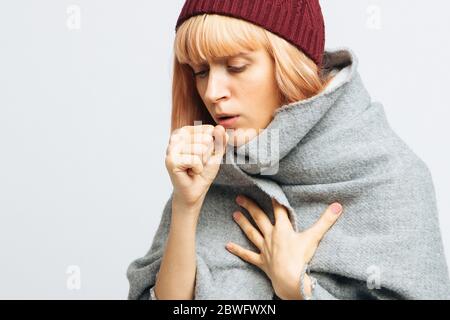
x=227, y=121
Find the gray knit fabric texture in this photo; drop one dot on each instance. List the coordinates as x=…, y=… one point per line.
x=335, y=146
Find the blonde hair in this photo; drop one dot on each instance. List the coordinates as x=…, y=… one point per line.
x=205, y=37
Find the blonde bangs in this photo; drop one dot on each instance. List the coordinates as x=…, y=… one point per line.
x=207, y=37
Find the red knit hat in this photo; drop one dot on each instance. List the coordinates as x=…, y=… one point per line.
x=298, y=21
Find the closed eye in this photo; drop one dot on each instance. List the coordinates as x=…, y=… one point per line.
x=232, y=68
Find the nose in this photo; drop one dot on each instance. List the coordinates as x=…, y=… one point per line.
x=217, y=87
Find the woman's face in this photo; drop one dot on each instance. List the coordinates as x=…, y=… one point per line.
x=243, y=86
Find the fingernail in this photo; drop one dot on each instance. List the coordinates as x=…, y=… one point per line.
x=239, y=200
x=336, y=208
x=236, y=215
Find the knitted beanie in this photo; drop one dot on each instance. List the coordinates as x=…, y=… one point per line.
x=299, y=22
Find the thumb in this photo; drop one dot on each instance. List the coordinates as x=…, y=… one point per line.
x=326, y=221
x=220, y=144
x=227, y=138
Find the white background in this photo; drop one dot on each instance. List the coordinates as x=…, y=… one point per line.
x=84, y=124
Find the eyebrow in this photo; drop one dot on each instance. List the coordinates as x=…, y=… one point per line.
x=240, y=54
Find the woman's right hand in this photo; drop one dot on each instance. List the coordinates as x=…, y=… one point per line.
x=193, y=159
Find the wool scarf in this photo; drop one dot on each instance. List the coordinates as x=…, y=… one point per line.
x=334, y=146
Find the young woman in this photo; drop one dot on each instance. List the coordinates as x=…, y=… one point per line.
x=334, y=206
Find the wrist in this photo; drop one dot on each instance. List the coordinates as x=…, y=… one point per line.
x=290, y=289
x=307, y=287
x=297, y=287
x=191, y=208
x=307, y=284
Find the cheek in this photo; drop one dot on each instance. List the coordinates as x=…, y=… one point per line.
x=200, y=89
x=257, y=82
x=261, y=96
x=263, y=87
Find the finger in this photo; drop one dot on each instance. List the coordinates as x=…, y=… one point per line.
x=209, y=151
x=182, y=162
x=281, y=214
x=326, y=221
x=204, y=151
x=194, y=133
x=220, y=142
x=192, y=148
x=250, y=231
x=220, y=138
x=198, y=133
x=205, y=128
x=175, y=139
x=260, y=217
x=181, y=144
x=247, y=255
x=191, y=134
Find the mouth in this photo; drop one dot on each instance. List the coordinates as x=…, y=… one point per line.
x=227, y=121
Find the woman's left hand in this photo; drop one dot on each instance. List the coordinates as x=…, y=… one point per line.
x=283, y=251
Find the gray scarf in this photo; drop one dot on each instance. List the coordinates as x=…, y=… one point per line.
x=335, y=146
